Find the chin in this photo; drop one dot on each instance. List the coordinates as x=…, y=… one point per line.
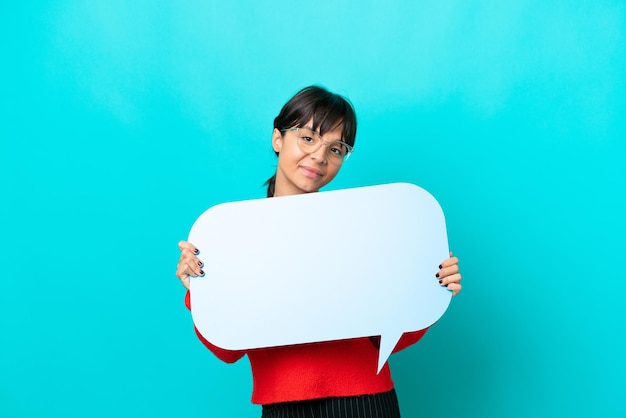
x=309, y=188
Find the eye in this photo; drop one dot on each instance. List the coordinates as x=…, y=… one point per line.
x=338, y=149
x=307, y=139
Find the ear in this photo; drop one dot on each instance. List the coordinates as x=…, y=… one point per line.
x=277, y=140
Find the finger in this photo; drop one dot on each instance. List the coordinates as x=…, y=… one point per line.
x=448, y=262
x=190, y=265
x=194, y=263
x=184, y=269
x=184, y=245
x=454, y=278
x=183, y=274
x=447, y=271
x=455, y=288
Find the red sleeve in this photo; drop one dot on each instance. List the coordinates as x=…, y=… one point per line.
x=228, y=356
x=408, y=339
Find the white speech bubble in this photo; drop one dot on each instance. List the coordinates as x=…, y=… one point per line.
x=320, y=267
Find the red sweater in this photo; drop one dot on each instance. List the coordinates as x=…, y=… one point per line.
x=316, y=370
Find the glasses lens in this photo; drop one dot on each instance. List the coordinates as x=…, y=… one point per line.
x=309, y=141
x=338, y=150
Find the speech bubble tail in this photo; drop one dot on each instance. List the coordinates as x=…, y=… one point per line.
x=387, y=344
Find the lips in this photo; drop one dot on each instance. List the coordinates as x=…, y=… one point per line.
x=311, y=172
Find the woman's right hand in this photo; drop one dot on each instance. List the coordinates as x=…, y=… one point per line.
x=188, y=263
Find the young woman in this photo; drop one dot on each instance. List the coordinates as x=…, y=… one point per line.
x=313, y=136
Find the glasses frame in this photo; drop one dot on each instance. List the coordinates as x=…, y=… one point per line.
x=349, y=148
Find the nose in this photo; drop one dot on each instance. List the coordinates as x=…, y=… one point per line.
x=321, y=153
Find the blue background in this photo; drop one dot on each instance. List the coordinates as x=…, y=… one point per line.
x=122, y=121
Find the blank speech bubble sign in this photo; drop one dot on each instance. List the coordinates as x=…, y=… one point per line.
x=320, y=267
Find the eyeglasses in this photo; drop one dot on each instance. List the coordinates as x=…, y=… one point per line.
x=310, y=141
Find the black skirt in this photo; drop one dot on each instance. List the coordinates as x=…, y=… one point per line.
x=380, y=405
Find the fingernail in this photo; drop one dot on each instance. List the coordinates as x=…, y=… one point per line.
x=199, y=263
x=440, y=281
x=201, y=273
x=440, y=266
x=437, y=275
x=196, y=251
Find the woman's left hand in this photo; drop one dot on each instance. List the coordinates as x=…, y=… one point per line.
x=449, y=275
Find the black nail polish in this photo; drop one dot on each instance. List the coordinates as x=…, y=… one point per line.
x=440, y=281
x=199, y=263
x=440, y=266
x=437, y=275
x=201, y=273
x=196, y=251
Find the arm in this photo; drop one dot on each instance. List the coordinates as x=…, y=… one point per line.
x=227, y=356
x=190, y=265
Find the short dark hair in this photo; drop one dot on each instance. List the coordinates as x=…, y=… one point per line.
x=327, y=111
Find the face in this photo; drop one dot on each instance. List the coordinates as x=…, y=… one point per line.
x=299, y=172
